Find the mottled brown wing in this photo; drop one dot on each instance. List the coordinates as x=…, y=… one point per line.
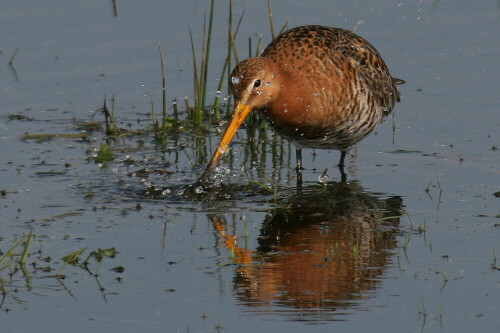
x=371, y=68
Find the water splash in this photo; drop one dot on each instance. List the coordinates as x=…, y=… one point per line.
x=323, y=178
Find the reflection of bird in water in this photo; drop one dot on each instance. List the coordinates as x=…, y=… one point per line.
x=323, y=251
x=319, y=87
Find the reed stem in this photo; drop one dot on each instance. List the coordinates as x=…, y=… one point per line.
x=229, y=54
x=207, y=55
x=164, y=99
x=271, y=18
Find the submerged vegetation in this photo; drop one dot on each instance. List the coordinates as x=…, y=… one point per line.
x=21, y=262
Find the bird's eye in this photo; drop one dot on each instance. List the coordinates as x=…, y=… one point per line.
x=257, y=83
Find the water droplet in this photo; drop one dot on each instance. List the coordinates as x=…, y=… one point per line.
x=286, y=110
x=323, y=88
x=301, y=134
x=268, y=84
x=272, y=76
x=166, y=191
x=316, y=95
x=323, y=178
x=218, y=93
x=235, y=80
x=199, y=189
x=259, y=92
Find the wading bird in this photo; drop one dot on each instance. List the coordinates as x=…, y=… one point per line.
x=317, y=86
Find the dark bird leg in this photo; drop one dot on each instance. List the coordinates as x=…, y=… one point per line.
x=298, y=152
x=343, y=153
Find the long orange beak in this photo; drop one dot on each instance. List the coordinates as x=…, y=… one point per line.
x=241, y=111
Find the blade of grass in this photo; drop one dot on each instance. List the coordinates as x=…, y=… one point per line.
x=195, y=70
x=9, y=253
x=72, y=257
x=113, y=120
x=266, y=188
x=283, y=28
x=200, y=105
x=233, y=46
x=239, y=23
x=232, y=37
x=249, y=47
x=188, y=107
x=271, y=18
x=11, y=60
x=155, y=123
x=207, y=56
x=229, y=53
x=106, y=116
x=259, y=45
x=164, y=99
x=27, y=248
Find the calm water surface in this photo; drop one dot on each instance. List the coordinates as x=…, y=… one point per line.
x=408, y=244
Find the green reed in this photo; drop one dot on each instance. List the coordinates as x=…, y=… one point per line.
x=200, y=78
x=271, y=18
x=207, y=54
x=164, y=99
x=11, y=60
